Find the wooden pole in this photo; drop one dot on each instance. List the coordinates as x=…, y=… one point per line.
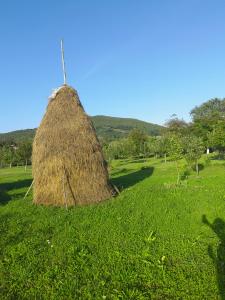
x=28, y=190
x=63, y=62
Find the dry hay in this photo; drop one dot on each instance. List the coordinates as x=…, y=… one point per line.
x=68, y=164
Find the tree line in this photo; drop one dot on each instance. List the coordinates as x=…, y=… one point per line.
x=205, y=133
x=12, y=154
x=179, y=139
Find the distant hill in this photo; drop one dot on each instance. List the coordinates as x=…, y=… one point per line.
x=107, y=128
x=113, y=128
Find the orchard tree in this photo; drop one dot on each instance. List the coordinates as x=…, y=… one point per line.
x=139, y=139
x=177, y=126
x=24, y=152
x=153, y=145
x=217, y=137
x=206, y=118
x=8, y=155
x=175, y=150
x=164, y=144
x=193, y=148
x=122, y=148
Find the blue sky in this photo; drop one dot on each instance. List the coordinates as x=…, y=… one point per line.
x=140, y=59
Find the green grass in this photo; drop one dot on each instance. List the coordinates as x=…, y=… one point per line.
x=150, y=242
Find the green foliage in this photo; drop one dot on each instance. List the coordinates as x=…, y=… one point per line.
x=138, y=138
x=208, y=121
x=158, y=146
x=8, y=155
x=24, y=152
x=175, y=148
x=217, y=136
x=176, y=151
x=177, y=126
x=211, y=109
x=122, y=148
x=148, y=243
x=194, y=149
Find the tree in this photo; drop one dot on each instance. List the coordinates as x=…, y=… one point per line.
x=8, y=155
x=177, y=126
x=211, y=109
x=164, y=144
x=206, y=118
x=217, y=137
x=194, y=148
x=175, y=150
x=122, y=148
x=139, y=139
x=153, y=146
x=24, y=152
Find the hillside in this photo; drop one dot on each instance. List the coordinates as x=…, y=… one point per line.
x=108, y=128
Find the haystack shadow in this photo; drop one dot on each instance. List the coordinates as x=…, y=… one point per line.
x=5, y=197
x=218, y=257
x=128, y=180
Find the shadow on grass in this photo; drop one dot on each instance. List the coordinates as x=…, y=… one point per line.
x=5, y=197
x=125, y=181
x=218, y=257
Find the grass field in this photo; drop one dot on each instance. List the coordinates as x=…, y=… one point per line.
x=155, y=240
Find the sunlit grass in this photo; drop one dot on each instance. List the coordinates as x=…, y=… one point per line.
x=147, y=243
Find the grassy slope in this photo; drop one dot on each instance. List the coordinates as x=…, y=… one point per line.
x=108, y=250
x=109, y=128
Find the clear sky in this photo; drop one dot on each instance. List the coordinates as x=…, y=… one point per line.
x=144, y=59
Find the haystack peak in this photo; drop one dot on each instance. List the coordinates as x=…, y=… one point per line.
x=59, y=89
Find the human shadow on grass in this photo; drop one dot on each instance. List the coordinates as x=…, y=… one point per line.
x=5, y=197
x=125, y=181
x=218, y=226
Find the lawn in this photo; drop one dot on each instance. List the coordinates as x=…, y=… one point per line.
x=155, y=240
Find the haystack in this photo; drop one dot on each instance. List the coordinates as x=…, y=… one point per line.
x=68, y=164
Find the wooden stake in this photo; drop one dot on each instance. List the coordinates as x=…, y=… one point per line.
x=28, y=190
x=63, y=62
x=64, y=190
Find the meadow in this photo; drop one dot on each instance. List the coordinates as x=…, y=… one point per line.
x=155, y=240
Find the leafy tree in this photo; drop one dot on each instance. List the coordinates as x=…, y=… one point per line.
x=139, y=139
x=194, y=148
x=24, y=152
x=217, y=137
x=8, y=155
x=206, y=118
x=175, y=150
x=164, y=144
x=177, y=126
x=153, y=146
x=122, y=148
x=211, y=109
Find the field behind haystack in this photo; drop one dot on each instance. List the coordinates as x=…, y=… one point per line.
x=155, y=240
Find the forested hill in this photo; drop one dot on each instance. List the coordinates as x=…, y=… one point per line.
x=113, y=128
x=108, y=128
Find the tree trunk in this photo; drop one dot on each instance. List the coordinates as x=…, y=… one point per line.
x=10, y=165
x=26, y=165
x=207, y=151
x=165, y=158
x=197, y=168
x=178, y=173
